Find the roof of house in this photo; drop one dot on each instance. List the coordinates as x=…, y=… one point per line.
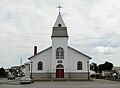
x=51, y=47
x=40, y=52
x=79, y=52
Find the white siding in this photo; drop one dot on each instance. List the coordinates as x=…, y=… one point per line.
x=74, y=57
x=69, y=62
x=46, y=58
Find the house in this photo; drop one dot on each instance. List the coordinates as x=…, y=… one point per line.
x=107, y=73
x=117, y=70
x=59, y=61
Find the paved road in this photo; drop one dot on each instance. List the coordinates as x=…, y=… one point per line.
x=82, y=84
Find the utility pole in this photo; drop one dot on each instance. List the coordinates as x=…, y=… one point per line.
x=20, y=61
x=20, y=66
x=88, y=70
x=31, y=69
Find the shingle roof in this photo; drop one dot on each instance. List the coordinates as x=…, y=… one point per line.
x=59, y=32
x=40, y=52
x=79, y=52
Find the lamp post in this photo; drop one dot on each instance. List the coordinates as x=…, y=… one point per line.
x=88, y=70
x=31, y=70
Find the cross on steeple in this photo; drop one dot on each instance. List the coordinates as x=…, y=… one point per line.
x=59, y=7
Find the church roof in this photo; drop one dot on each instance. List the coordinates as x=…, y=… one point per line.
x=79, y=52
x=40, y=52
x=59, y=29
x=51, y=47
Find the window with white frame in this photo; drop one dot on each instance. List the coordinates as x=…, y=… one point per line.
x=59, y=53
x=79, y=65
x=40, y=65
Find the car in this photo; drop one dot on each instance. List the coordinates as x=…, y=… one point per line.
x=10, y=77
x=26, y=80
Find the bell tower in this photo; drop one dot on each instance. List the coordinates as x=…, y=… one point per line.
x=59, y=48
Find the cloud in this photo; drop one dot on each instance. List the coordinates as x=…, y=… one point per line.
x=106, y=50
x=92, y=25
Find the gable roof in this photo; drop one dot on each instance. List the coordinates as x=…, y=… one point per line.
x=79, y=52
x=40, y=52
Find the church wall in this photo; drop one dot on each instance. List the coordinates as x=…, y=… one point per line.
x=41, y=76
x=46, y=58
x=67, y=76
x=78, y=75
x=74, y=57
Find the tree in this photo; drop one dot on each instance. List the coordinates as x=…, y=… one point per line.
x=105, y=66
x=2, y=72
x=100, y=68
x=94, y=67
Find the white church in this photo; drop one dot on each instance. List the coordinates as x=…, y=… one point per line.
x=59, y=61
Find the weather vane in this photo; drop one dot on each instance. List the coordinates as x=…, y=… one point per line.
x=59, y=7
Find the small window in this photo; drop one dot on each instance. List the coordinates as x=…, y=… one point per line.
x=40, y=65
x=79, y=65
x=59, y=25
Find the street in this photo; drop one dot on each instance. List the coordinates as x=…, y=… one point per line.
x=65, y=84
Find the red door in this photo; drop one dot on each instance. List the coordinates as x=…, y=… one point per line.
x=59, y=73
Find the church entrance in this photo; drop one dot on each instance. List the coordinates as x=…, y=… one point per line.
x=59, y=73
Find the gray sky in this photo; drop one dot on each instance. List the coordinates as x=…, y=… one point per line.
x=93, y=28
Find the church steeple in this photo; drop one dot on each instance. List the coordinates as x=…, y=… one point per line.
x=59, y=29
x=59, y=22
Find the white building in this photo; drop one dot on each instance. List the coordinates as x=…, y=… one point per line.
x=59, y=61
x=117, y=69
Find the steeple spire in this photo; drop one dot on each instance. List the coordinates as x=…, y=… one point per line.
x=59, y=29
x=59, y=22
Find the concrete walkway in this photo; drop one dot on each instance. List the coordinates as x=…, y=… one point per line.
x=12, y=82
x=89, y=83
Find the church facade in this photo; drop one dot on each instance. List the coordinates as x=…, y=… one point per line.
x=59, y=61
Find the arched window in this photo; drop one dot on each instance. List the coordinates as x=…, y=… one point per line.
x=59, y=66
x=79, y=65
x=59, y=53
x=40, y=65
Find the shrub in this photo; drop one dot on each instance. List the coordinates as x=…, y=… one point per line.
x=99, y=76
x=2, y=72
x=92, y=75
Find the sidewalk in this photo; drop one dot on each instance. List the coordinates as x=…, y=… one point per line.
x=10, y=82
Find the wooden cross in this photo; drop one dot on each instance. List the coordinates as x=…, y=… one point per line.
x=59, y=7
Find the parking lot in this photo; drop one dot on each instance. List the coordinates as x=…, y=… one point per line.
x=64, y=84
